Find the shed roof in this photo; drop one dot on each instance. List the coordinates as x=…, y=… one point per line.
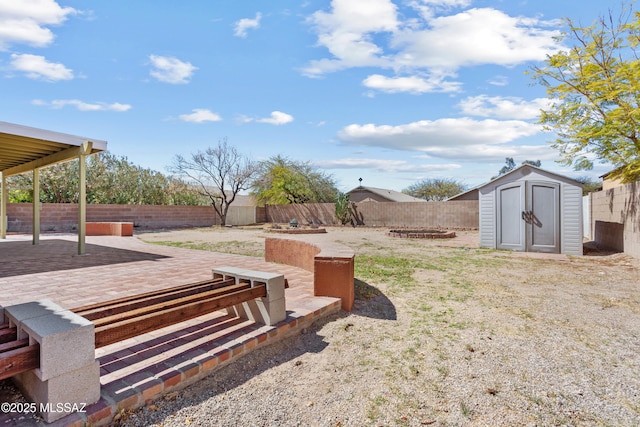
x=24, y=148
x=526, y=165
x=523, y=169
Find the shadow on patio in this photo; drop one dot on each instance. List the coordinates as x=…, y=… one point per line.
x=22, y=257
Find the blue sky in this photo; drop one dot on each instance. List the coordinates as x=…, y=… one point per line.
x=388, y=91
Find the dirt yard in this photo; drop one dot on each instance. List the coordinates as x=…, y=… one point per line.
x=442, y=333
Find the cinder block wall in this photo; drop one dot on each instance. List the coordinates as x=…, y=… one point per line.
x=451, y=215
x=63, y=217
x=615, y=211
x=321, y=213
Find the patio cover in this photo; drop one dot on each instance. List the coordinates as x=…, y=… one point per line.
x=24, y=149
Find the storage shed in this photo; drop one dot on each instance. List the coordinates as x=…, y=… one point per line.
x=532, y=210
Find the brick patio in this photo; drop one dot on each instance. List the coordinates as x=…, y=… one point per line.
x=143, y=368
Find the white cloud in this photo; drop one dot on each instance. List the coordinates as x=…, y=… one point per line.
x=24, y=22
x=428, y=8
x=276, y=118
x=382, y=165
x=503, y=107
x=200, y=115
x=363, y=33
x=447, y=133
x=38, y=68
x=347, y=32
x=499, y=81
x=411, y=84
x=247, y=24
x=357, y=16
x=83, y=106
x=493, y=153
x=168, y=69
x=475, y=37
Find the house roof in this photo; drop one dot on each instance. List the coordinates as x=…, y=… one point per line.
x=24, y=148
x=459, y=195
x=391, y=195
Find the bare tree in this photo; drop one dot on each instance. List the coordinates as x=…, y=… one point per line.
x=219, y=172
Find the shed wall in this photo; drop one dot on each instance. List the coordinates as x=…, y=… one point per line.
x=570, y=219
x=487, y=217
x=570, y=208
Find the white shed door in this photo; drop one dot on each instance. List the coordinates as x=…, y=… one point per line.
x=528, y=216
x=543, y=218
x=510, y=228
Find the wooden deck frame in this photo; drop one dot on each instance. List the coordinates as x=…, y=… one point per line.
x=121, y=305
x=16, y=356
x=127, y=317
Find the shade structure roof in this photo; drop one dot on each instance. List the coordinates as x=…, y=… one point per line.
x=24, y=148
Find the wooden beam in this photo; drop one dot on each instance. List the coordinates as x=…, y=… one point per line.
x=171, y=303
x=82, y=199
x=115, y=308
x=61, y=156
x=136, y=297
x=8, y=334
x=36, y=206
x=11, y=345
x=22, y=144
x=119, y=331
x=4, y=194
x=19, y=360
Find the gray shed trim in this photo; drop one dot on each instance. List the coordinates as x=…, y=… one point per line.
x=570, y=207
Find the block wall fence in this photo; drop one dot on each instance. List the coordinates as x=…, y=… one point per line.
x=454, y=215
x=63, y=217
x=615, y=218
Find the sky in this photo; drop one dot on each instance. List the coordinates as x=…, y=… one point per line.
x=393, y=92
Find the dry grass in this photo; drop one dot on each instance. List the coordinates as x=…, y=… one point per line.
x=443, y=335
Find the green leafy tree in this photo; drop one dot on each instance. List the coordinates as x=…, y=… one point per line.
x=110, y=179
x=343, y=208
x=595, y=84
x=58, y=184
x=589, y=185
x=219, y=172
x=284, y=181
x=511, y=165
x=435, y=189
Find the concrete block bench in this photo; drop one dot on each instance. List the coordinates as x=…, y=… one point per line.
x=109, y=229
x=267, y=310
x=50, y=352
x=332, y=265
x=64, y=373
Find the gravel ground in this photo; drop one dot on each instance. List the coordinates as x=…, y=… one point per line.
x=442, y=333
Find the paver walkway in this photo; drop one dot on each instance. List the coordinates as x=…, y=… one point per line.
x=145, y=367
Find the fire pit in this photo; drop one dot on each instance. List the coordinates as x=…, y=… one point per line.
x=422, y=234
